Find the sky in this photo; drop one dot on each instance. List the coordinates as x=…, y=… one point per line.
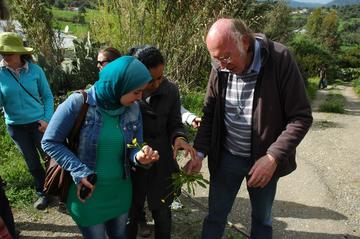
x=314, y=1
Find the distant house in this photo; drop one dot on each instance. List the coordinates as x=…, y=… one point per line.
x=74, y=9
x=67, y=40
x=15, y=26
x=301, y=11
x=11, y=26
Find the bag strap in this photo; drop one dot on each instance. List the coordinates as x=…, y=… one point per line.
x=73, y=138
x=17, y=80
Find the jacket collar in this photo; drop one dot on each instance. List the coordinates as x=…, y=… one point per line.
x=91, y=99
x=264, y=47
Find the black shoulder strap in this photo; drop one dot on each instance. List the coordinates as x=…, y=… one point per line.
x=73, y=138
x=11, y=73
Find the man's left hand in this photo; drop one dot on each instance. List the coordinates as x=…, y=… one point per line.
x=262, y=171
x=180, y=144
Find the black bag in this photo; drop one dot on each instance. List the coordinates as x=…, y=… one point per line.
x=58, y=180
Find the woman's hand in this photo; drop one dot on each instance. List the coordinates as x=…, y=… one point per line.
x=180, y=144
x=42, y=126
x=147, y=155
x=87, y=184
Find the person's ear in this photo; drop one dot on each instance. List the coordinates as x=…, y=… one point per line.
x=245, y=41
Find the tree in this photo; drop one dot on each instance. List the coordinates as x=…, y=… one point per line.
x=36, y=19
x=324, y=27
x=313, y=25
x=329, y=30
x=278, y=23
x=310, y=55
x=4, y=11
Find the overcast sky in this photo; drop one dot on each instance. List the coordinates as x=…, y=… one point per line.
x=314, y=1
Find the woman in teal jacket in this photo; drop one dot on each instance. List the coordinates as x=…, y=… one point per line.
x=112, y=121
x=28, y=105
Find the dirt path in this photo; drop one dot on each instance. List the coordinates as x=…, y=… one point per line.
x=320, y=200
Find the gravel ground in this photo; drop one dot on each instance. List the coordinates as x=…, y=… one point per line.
x=320, y=200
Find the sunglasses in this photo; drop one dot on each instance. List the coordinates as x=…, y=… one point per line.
x=101, y=63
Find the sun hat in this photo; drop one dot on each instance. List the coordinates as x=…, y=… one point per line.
x=10, y=42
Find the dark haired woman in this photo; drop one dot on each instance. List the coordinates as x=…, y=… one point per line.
x=28, y=105
x=163, y=130
x=105, y=56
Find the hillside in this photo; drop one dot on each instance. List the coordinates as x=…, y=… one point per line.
x=342, y=2
x=299, y=4
x=315, y=4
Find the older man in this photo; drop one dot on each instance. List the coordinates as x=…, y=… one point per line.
x=256, y=112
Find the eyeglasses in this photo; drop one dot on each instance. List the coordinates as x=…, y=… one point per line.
x=101, y=63
x=216, y=62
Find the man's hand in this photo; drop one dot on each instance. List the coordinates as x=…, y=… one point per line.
x=193, y=166
x=196, y=122
x=180, y=144
x=262, y=171
x=42, y=126
x=147, y=155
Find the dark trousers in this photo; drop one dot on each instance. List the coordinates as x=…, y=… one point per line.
x=27, y=138
x=224, y=187
x=6, y=213
x=162, y=219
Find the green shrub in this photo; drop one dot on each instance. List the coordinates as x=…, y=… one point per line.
x=356, y=84
x=177, y=28
x=193, y=101
x=312, y=87
x=14, y=171
x=310, y=55
x=334, y=103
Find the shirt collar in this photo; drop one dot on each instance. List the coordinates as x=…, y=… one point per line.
x=256, y=63
x=25, y=66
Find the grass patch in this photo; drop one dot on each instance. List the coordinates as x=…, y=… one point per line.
x=193, y=101
x=357, y=86
x=312, y=87
x=232, y=235
x=79, y=30
x=66, y=17
x=334, y=103
x=14, y=172
x=324, y=124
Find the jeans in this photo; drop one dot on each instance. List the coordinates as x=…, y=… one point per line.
x=111, y=229
x=27, y=138
x=224, y=187
x=162, y=219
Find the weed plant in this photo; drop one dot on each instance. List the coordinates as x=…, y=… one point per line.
x=334, y=103
x=312, y=87
x=357, y=86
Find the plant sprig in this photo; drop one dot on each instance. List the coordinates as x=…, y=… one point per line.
x=181, y=178
x=135, y=145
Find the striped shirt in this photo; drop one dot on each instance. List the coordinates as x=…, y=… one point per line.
x=238, y=108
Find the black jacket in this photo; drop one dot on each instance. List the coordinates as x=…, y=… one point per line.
x=162, y=124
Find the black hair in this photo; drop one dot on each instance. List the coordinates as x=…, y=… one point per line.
x=149, y=55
